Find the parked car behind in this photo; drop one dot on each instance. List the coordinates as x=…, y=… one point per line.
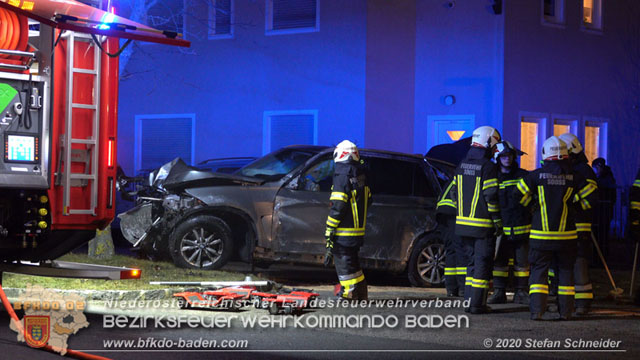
x=274, y=210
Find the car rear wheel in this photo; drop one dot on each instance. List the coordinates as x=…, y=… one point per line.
x=201, y=242
x=426, y=265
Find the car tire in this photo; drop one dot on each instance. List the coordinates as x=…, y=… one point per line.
x=427, y=261
x=201, y=242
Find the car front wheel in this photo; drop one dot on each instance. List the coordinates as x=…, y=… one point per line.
x=426, y=265
x=202, y=242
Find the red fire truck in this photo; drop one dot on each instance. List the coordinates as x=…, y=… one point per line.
x=58, y=122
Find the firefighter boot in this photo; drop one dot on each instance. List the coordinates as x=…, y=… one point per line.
x=482, y=308
x=521, y=297
x=499, y=296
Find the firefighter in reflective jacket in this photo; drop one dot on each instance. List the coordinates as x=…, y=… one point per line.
x=516, y=221
x=350, y=198
x=634, y=218
x=554, y=191
x=634, y=214
x=478, y=220
x=455, y=268
x=584, y=215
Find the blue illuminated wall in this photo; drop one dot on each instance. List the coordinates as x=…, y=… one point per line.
x=229, y=83
x=459, y=53
x=377, y=72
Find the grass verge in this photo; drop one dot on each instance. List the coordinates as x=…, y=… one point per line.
x=151, y=271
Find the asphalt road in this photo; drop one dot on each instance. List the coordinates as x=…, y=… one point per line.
x=509, y=326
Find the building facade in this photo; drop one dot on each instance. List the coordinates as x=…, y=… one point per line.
x=397, y=75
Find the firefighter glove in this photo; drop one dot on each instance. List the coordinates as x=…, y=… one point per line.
x=498, y=228
x=328, y=236
x=328, y=257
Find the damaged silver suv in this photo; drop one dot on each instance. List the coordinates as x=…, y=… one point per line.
x=275, y=208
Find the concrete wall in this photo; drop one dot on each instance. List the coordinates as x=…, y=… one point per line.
x=458, y=52
x=390, y=75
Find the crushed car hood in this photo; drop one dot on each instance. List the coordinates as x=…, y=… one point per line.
x=177, y=174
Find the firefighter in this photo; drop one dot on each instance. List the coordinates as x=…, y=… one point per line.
x=478, y=220
x=634, y=218
x=516, y=220
x=455, y=261
x=584, y=216
x=554, y=191
x=350, y=198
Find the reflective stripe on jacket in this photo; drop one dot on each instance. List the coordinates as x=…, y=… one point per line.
x=476, y=192
x=556, y=192
x=516, y=219
x=349, y=200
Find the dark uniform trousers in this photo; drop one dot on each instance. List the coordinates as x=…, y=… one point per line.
x=516, y=253
x=352, y=283
x=584, y=289
x=538, y=281
x=480, y=252
x=455, y=268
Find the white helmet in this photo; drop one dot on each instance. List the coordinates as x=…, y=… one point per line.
x=573, y=144
x=485, y=137
x=346, y=151
x=554, y=149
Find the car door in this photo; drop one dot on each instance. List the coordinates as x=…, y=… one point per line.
x=403, y=207
x=301, y=208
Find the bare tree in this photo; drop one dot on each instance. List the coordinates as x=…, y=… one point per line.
x=139, y=11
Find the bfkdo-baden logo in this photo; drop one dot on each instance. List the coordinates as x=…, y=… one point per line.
x=36, y=330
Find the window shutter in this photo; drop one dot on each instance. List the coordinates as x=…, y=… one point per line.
x=294, y=14
x=291, y=130
x=164, y=139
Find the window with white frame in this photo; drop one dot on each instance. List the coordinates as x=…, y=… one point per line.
x=221, y=19
x=283, y=128
x=292, y=16
x=167, y=15
x=595, y=138
x=160, y=138
x=592, y=14
x=553, y=12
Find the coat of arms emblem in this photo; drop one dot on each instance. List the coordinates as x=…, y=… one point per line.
x=36, y=330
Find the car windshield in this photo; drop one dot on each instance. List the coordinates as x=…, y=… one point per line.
x=277, y=164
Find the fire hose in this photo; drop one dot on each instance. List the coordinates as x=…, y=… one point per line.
x=14, y=32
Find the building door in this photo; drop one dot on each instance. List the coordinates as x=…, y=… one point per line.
x=445, y=129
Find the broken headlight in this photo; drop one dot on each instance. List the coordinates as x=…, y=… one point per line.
x=177, y=203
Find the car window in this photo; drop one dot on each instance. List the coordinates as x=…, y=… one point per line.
x=318, y=177
x=421, y=185
x=276, y=164
x=397, y=177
